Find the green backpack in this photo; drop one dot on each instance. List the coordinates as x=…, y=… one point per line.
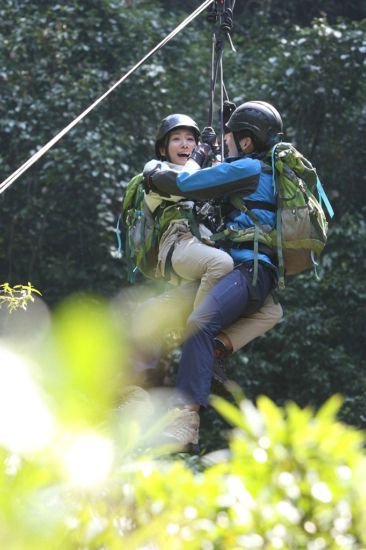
x=141, y=229
x=301, y=224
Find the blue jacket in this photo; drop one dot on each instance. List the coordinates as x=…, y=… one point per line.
x=245, y=176
x=265, y=195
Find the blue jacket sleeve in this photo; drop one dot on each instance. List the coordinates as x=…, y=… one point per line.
x=241, y=176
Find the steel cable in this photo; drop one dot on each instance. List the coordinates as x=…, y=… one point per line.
x=24, y=167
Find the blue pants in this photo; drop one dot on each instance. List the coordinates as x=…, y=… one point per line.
x=232, y=297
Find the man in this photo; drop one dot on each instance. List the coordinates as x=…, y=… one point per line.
x=254, y=128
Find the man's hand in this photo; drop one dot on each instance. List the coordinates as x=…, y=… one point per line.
x=227, y=110
x=200, y=154
x=208, y=135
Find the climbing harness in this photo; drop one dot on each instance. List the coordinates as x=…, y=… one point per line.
x=24, y=167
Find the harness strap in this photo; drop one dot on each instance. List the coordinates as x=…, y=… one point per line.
x=281, y=263
x=168, y=270
x=243, y=206
x=240, y=204
x=255, y=258
x=262, y=248
x=260, y=205
x=280, y=258
x=253, y=205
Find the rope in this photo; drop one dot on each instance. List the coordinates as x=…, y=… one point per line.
x=218, y=42
x=24, y=167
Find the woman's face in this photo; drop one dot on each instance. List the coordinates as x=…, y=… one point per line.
x=180, y=145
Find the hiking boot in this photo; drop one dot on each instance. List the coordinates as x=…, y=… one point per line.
x=135, y=398
x=184, y=429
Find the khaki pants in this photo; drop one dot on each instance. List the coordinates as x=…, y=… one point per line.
x=246, y=329
x=194, y=261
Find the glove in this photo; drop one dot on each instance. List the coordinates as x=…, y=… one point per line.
x=209, y=136
x=147, y=182
x=201, y=153
x=227, y=110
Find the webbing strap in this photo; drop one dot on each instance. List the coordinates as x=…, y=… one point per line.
x=315, y=265
x=281, y=263
x=255, y=250
x=274, y=173
x=118, y=236
x=323, y=196
x=223, y=235
x=142, y=237
x=240, y=204
x=280, y=258
x=129, y=255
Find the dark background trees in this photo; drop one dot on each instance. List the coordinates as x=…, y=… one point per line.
x=57, y=221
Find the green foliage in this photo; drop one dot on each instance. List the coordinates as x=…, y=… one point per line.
x=17, y=297
x=78, y=470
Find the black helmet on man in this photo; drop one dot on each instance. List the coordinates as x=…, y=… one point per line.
x=172, y=122
x=259, y=120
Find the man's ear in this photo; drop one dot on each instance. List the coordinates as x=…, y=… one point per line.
x=246, y=144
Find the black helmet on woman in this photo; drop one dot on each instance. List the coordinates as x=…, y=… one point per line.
x=173, y=122
x=258, y=119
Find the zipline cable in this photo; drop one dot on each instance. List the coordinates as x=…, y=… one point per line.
x=15, y=175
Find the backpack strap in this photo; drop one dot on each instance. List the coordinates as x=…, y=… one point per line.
x=273, y=164
x=118, y=237
x=132, y=269
x=323, y=196
x=253, y=205
x=280, y=258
